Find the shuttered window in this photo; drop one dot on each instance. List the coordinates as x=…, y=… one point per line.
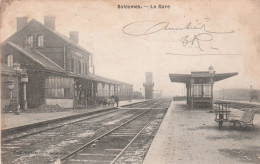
x=72, y=65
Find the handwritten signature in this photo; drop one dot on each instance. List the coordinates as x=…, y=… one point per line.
x=204, y=34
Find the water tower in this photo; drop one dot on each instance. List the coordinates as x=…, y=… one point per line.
x=148, y=85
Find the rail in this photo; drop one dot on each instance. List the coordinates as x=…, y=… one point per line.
x=151, y=106
x=134, y=138
x=92, y=141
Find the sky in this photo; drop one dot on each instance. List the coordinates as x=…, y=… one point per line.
x=126, y=43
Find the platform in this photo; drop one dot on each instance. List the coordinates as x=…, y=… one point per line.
x=192, y=136
x=10, y=120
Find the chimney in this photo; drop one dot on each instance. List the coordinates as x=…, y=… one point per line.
x=74, y=36
x=21, y=22
x=49, y=21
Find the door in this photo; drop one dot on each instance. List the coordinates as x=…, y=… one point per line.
x=34, y=91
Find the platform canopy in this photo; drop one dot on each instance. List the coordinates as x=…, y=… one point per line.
x=199, y=86
x=186, y=78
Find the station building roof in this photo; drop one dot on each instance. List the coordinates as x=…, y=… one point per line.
x=49, y=65
x=37, y=57
x=101, y=79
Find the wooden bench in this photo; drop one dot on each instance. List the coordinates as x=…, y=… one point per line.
x=246, y=119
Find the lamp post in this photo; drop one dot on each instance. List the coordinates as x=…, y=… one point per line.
x=17, y=71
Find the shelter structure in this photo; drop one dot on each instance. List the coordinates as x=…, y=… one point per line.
x=199, y=86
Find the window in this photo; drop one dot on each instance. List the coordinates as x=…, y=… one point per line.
x=112, y=90
x=207, y=90
x=99, y=90
x=30, y=40
x=195, y=90
x=40, y=41
x=86, y=69
x=72, y=65
x=10, y=60
x=83, y=68
x=198, y=90
x=106, y=90
x=79, y=67
x=59, y=87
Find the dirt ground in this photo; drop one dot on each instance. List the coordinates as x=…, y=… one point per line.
x=192, y=136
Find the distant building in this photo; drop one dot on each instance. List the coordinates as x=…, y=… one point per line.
x=42, y=66
x=148, y=85
x=237, y=94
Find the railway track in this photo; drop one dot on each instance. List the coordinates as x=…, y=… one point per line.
x=24, y=134
x=108, y=147
x=21, y=147
x=17, y=149
x=141, y=104
x=147, y=104
x=7, y=137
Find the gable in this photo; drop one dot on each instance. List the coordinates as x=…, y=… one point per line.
x=38, y=25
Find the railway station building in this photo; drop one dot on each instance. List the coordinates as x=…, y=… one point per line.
x=199, y=86
x=42, y=66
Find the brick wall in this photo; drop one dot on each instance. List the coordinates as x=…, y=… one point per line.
x=53, y=46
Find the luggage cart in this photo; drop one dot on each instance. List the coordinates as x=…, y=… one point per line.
x=222, y=112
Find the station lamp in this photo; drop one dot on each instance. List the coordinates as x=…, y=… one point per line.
x=211, y=70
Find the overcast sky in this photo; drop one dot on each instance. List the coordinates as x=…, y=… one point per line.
x=231, y=28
